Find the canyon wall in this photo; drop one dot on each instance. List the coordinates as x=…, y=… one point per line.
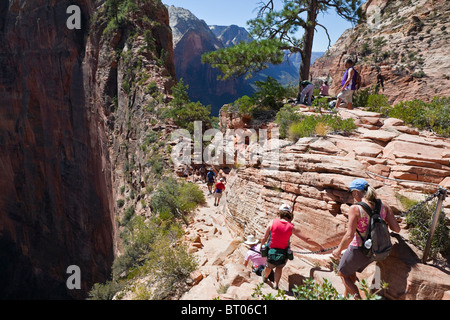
x=68, y=102
x=406, y=41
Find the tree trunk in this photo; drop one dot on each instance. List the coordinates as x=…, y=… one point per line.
x=307, y=44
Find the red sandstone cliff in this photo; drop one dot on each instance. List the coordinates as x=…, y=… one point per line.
x=64, y=120
x=407, y=41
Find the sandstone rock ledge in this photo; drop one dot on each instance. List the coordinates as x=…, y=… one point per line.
x=313, y=176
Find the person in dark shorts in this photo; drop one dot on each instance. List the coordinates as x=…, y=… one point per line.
x=210, y=179
x=354, y=260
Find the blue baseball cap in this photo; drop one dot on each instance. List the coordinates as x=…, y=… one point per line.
x=358, y=184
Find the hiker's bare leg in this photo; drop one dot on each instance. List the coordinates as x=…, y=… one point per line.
x=338, y=102
x=277, y=276
x=267, y=272
x=350, y=286
x=350, y=106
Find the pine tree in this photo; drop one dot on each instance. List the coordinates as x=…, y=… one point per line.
x=274, y=31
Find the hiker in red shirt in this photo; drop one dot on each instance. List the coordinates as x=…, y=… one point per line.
x=279, y=232
x=220, y=187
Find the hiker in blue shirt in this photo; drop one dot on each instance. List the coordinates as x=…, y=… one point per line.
x=210, y=179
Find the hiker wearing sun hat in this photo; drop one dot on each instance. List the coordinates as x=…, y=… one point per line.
x=354, y=260
x=220, y=187
x=254, y=255
x=278, y=234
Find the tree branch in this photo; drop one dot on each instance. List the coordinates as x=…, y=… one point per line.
x=326, y=31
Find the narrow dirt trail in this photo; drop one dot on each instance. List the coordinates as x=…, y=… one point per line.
x=220, y=254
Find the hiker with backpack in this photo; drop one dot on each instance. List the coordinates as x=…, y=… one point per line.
x=350, y=82
x=254, y=256
x=306, y=93
x=367, y=238
x=210, y=179
x=277, y=236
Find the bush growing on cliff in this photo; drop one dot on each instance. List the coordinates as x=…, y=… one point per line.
x=176, y=199
x=425, y=116
x=319, y=125
x=419, y=223
x=285, y=117
x=184, y=112
x=265, y=102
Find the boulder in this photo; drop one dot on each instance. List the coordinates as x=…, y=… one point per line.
x=392, y=122
x=380, y=135
x=409, y=150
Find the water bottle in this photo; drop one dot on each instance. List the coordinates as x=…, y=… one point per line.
x=368, y=244
x=290, y=254
x=264, y=250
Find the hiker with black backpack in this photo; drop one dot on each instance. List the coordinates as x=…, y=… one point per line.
x=367, y=238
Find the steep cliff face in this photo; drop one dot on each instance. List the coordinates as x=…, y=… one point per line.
x=407, y=41
x=64, y=112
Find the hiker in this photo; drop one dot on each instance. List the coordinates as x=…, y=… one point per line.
x=348, y=85
x=222, y=175
x=380, y=82
x=279, y=231
x=254, y=255
x=354, y=260
x=220, y=187
x=307, y=91
x=323, y=92
x=210, y=179
x=202, y=174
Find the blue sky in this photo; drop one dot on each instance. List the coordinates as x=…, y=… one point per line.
x=238, y=12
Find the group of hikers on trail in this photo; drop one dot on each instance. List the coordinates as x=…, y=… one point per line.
x=367, y=239
x=351, y=81
x=219, y=186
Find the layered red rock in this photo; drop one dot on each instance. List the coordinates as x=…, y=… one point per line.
x=58, y=182
x=402, y=41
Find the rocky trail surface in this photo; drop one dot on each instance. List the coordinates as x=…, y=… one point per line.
x=220, y=253
x=316, y=171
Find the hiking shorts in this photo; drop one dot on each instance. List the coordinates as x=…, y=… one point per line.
x=273, y=266
x=218, y=195
x=352, y=261
x=346, y=95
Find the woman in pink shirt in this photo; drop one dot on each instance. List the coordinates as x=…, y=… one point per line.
x=280, y=231
x=353, y=259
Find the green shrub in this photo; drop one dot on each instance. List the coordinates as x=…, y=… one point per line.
x=127, y=216
x=183, y=112
x=265, y=102
x=176, y=199
x=120, y=203
x=270, y=93
x=245, y=105
x=320, y=125
x=425, y=116
x=285, y=117
x=361, y=97
x=419, y=223
x=378, y=103
x=104, y=291
x=310, y=290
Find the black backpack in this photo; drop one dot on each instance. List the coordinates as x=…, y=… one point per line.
x=358, y=79
x=377, y=233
